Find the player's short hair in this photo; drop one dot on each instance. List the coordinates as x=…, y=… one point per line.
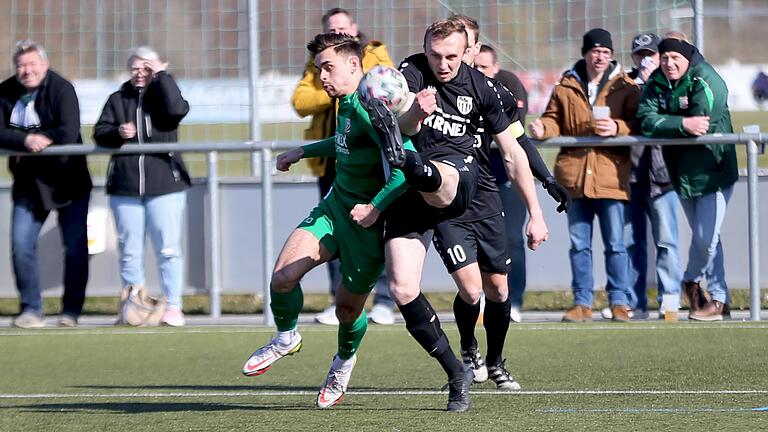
x=489, y=49
x=335, y=11
x=342, y=44
x=141, y=53
x=470, y=24
x=444, y=28
x=674, y=34
x=27, y=46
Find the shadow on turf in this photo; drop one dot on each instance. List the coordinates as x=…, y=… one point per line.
x=157, y=407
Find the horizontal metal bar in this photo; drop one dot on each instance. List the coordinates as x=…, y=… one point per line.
x=249, y=146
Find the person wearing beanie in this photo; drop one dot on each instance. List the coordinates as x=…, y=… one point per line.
x=653, y=199
x=686, y=97
x=597, y=178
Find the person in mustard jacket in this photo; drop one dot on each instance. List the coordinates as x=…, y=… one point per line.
x=596, y=177
x=310, y=99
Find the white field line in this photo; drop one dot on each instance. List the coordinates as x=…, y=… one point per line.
x=374, y=329
x=256, y=393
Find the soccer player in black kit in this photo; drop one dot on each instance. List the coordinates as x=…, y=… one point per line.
x=448, y=100
x=473, y=246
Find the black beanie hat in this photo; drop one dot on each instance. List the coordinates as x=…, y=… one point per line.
x=596, y=37
x=679, y=46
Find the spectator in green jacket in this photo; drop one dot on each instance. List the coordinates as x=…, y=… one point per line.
x=686, y=97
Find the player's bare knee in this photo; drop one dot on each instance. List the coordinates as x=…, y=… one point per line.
x=283, y=281
x=403, y=293
x=346, y=313
x=497, y=294
x=470, y=295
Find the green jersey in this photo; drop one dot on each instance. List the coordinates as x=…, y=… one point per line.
x=362, y=174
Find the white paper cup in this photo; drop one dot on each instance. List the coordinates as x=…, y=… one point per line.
x=601, y=112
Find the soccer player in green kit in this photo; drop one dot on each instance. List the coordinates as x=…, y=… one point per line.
x=345, y=224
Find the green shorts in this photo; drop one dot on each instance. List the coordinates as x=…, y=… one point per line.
x=360, y=250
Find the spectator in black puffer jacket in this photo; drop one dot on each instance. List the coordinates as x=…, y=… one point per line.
x=147, y=191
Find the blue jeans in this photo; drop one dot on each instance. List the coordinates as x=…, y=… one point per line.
x=161, y=216
x=515, y=215
x=26, y=223
x=662, y=211
x=705, y=216
x=610, y=213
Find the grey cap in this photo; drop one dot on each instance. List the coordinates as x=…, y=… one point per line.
x=645, y=42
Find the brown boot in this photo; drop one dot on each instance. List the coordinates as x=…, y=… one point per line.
x=726, y=311
x=712, y=311
x=696, y=297
x=620, y=313
x=578, y=313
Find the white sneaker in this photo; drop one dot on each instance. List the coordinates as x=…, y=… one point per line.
x=382, y=315
x=607, y=314
x=328, y=316
x=263, y=358
x=335, y=385
x=515, y=315
x=28, y=320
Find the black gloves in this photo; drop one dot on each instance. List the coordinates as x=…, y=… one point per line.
x=559, y=193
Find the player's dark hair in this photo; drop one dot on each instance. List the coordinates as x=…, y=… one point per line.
x=489, y=49
x=444, y=28
x=342, y=44
x=470, y=24
x=335, y=11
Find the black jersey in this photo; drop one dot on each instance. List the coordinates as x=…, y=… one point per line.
x=487, y=202
x=461, y=103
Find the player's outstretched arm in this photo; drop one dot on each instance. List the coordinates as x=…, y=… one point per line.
x=419, y=106
x=519, y=173
x=285, y=160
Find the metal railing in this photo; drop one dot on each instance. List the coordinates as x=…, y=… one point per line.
x=266, y=148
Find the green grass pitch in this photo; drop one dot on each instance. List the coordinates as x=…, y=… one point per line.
x=600, y=376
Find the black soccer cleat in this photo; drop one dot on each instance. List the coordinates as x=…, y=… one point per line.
x=458, y=391
x=386, y=125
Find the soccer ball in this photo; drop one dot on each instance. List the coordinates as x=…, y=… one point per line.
x=386, y=84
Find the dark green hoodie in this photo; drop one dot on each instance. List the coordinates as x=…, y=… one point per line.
x=695, y=170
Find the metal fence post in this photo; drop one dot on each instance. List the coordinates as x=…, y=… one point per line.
x=754, y=232
x=266, y=229
x=214, y=237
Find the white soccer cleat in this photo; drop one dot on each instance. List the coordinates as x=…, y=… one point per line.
x=335, y=385
x=501, y=376
x=263, y=358
x=515, y=315
x=473, y=360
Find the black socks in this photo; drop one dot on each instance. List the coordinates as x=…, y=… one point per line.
x=421, y=175
x=423, y=324
x=466, y=317
x=496, y=323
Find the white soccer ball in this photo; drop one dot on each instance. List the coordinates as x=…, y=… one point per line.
x=386, y=84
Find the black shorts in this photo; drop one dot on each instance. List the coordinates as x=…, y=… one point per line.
x=483, y=242
x=410, y=214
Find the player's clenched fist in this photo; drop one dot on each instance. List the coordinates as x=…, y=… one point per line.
x=364, y=214
x=426, y=101
x=285, y=160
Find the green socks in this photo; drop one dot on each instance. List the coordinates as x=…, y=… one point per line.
x=350, y=336
x=286, y=308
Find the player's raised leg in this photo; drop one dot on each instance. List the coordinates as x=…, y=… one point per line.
x=301, y=253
